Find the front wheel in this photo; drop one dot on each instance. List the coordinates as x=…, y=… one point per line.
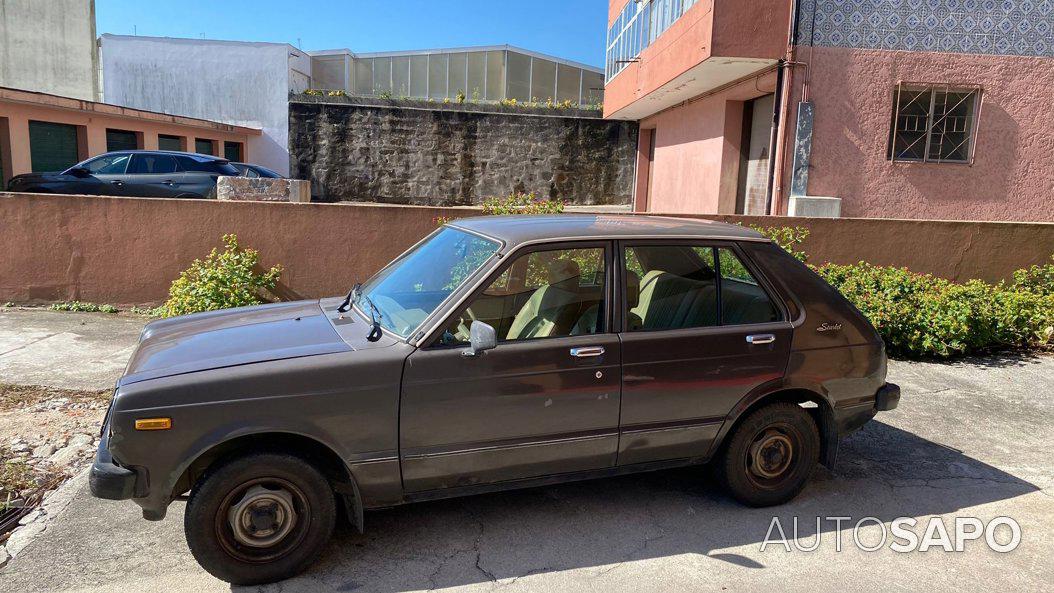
x=259, y=518
x=771, y=455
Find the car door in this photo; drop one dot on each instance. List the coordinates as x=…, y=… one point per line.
x=153, y=175
x=106, y=175
x=544, y=401
x=701, y=331
x=199, y=176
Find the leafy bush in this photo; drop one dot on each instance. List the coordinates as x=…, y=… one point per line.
x=787, y=237
x=82, y=307
x=919, y=315
x=521, y=203
x=1036, y=279
x=225, y=279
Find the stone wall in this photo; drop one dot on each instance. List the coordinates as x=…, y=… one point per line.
x=262, y=189
x=436, y=154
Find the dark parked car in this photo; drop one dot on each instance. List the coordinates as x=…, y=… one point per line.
x=255, y=171
x=499, y=352
x=138, y=173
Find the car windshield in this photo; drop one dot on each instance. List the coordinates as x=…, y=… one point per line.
x=411, y=287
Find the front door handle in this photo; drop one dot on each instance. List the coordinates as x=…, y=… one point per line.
x=587, y=351
x=761, y=339
x=117, y=182
x=168, y=182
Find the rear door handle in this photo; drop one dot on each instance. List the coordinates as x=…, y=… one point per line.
x=761, y=338
x=587, y=351
x=168, y=182
x=117, y=182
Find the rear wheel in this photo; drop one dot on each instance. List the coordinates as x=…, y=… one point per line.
x=771, y=455
x=259, y=518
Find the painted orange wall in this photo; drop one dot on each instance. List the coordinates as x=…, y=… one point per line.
x=697, y=151
x=63, y=247
x=1012, y=177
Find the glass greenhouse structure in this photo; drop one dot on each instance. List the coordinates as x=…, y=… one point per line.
x=490, y=73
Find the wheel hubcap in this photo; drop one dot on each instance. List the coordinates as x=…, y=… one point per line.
x=770, y=454
x=263, y=516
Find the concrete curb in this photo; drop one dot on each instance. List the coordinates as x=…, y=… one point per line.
x=54, y=503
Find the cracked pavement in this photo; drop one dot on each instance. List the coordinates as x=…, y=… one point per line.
x=970, y=439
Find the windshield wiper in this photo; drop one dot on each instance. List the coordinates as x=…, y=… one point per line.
x=375, y=331
x=355, y=295
x=344, y=306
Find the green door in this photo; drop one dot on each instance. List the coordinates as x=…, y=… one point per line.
x=52, y=147
x=202, y=146
x=121, y=140
x=232, y=151
x=165, y=142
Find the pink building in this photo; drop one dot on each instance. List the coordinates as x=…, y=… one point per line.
x=937, y=109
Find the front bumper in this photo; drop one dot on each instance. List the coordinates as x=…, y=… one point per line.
x=109, y=480
x=887, y=398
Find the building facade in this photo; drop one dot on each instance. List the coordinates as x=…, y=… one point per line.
x=41, y=132
x=488, y=73
x=49, y=47
x=935, y=109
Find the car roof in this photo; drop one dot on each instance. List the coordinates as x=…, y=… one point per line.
x=519, y=229
x=194, y=155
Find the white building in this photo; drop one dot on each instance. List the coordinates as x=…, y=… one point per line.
x=240, y=83
x=49, y=47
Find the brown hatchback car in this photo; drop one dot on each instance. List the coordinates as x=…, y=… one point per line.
x=499, y=352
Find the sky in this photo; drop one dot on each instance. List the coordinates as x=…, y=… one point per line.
x=569, y=29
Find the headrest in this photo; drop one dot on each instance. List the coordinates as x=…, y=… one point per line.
x=563, y=272
x=632, y=289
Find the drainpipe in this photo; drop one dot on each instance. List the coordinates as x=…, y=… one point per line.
x=778, y=114
x=779, y=152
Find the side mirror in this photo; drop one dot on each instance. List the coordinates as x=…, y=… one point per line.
x=79, y=172
x=482, y=337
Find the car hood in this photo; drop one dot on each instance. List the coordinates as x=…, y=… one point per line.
x=38, y=177
x=231, y=337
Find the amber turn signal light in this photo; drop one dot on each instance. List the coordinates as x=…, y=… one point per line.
x=153, y=424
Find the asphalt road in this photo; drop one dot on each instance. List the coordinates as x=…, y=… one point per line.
x=970, y=439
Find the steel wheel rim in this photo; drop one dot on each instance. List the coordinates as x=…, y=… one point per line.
x=772, y=455
x=262, y=520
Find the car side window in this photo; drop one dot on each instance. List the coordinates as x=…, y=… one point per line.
x=742, y=298
x=111, y=164
x=189, y=164
x=251, y=173
x=542, y=294
x=146, y=164
x=670, y=287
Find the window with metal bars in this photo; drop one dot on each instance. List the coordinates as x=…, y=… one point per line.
x=934, y=123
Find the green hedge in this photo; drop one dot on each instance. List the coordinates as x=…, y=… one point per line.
x=922, y=316
x=919, y=315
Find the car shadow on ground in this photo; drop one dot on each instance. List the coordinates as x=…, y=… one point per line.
x=882, y=472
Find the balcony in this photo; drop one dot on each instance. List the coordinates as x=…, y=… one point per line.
x=664, y=52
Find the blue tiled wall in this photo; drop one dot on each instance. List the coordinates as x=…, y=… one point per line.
x=998, y=27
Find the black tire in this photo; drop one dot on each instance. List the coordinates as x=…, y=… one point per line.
x=771, y=455
x=263, y=486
